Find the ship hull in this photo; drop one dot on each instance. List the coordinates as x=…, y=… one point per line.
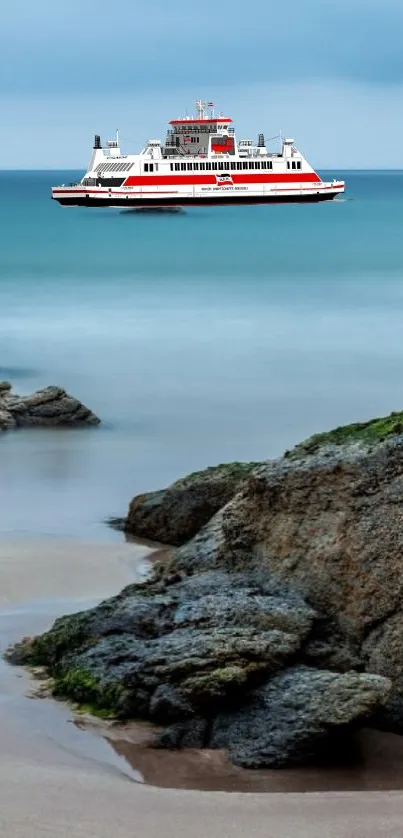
x=125, y=202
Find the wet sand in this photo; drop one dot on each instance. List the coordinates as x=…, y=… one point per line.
x=57, y=779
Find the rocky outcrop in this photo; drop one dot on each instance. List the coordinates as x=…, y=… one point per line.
x=176, y=514
x=50, y=407
x=277, y=629
x=295, y=715
x=177, y=651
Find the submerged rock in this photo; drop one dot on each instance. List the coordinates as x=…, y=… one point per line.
x=176, y=514
x=278, y=628
x=50, y=407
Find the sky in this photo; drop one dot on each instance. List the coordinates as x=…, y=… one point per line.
x=329, y=74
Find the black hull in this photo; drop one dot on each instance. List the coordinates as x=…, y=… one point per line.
x=126, y=203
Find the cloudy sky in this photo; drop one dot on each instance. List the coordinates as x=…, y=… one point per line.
x=329, y=74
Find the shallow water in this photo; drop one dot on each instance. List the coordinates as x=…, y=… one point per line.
x=210, y=335
x=40, y=581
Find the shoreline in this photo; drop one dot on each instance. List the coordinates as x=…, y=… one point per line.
x=53, y=785
x=86, y=573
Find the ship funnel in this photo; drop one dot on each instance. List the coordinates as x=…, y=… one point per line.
x=260, y=141
x=97, y=141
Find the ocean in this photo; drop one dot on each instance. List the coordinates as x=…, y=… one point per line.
x=210, y=335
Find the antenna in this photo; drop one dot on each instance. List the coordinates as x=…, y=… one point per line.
x=117, y=137
x=201, y=109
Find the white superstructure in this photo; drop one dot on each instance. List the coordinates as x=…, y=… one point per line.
x=200, y=162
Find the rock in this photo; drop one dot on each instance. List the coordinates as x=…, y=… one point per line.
x=50, y=407
x=291, y=717
x=278, y=628
x=176, y=514
x=7, y=421
x=361, y=434
x=148, y=653
x=328, y=526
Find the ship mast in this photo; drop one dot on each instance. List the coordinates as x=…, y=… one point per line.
x=201, y=109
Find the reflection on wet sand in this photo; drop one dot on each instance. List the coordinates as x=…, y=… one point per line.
x=373, y=763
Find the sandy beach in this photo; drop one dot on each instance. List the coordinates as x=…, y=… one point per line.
x=59, y=780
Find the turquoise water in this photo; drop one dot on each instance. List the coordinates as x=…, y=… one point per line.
x=211, y=335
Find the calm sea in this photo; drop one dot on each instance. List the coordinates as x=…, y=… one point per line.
x=211, y=335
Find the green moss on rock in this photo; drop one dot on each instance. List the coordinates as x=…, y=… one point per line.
x=368, y=433
x=235, y=470
x=82, y=687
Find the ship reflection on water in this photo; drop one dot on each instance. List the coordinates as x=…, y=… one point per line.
x=153, y=210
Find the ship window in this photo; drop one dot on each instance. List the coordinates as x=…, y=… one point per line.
x=214, y=166
x=270, y=164
x=183, y=167
x=226, y=165
x=251, y=164
x=196, y=166
x=177, y=167
x=172, y=167
x=189, y=167
x=202, y=167
x=151, y=167
x=221, y=166
x=208, y=167
x=257, y=165
x=264, y=164
x=288, y=164
x=298, y=164
x=239, y=165
x=233, y=165
x=244, y=165
x=146, y=167
x=293, y=164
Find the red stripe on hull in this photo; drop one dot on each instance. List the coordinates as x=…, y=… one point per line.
x=210, y=180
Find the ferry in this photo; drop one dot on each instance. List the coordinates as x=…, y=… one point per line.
x=201, y=162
